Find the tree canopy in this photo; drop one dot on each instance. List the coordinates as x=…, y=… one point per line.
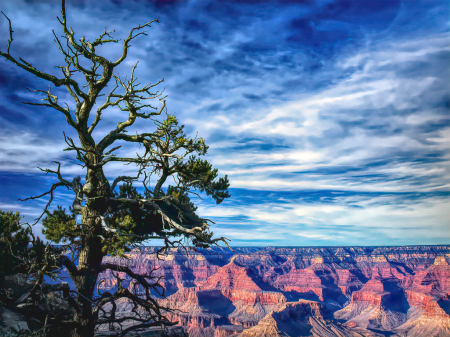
x=114, y=215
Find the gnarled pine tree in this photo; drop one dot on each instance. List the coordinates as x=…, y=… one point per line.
x=115, y=216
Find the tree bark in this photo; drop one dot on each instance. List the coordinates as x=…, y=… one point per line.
x=97, y=190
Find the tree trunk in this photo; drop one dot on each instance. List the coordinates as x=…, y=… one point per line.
x=96, y=190
x=89, y=264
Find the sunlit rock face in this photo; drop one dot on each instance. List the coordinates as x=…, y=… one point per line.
x=334, y=291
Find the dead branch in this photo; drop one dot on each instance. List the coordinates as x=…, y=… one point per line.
x=131, y=37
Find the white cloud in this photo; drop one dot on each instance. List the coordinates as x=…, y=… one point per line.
x=370, y=128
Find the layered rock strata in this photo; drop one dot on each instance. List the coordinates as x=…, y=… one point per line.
x=328, y=291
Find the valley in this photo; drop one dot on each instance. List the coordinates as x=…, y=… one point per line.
x=300, y=291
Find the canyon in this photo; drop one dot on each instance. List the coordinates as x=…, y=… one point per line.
x=300, y=291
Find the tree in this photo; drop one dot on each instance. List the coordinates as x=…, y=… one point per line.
x=115, y=215
x=13, y=238
x=24, y=262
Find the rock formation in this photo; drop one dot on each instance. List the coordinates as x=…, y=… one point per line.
x=333, y=291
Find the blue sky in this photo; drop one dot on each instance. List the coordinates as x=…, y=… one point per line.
x=331, y=118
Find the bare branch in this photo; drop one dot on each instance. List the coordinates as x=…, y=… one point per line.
x=62, y=182
x=113, y=230
x=124, y=178
x=28, y=67
x=100, y=40
x=152, y=308
x=70, y=266
x=10, y=34
x=147, y=325
x=81, y=152
x=193, y=231
x=83, y=46
x=131, y=37
x=53, y=103
x=105, y=105
x=142, y=279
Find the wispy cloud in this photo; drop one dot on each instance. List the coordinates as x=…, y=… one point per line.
x=330, y=117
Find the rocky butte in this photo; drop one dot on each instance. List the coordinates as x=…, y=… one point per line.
x=293, y=291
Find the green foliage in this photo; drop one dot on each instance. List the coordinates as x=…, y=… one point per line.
x=171, y=154
x=13, y=242
x=199, y=174
x=22, y=253
x=42, y=260
x=60, y=227
x=194, y=173
x=172, y=136
x=133, y=220
x=118, y=245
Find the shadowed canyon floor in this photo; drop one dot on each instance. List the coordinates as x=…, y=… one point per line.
x=310, y=291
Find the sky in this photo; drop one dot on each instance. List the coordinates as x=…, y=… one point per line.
x=331, y=118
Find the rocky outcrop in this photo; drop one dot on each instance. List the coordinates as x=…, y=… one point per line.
x=228, y=331
x=303, y=318
x=302, y=281
x=420, y=324
x=348, y=282
x=431, y=306
x=231, y=277
x=328, y=291
x=380, y=304
x=267, y=327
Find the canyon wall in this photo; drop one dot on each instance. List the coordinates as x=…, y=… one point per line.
x=302, y=291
